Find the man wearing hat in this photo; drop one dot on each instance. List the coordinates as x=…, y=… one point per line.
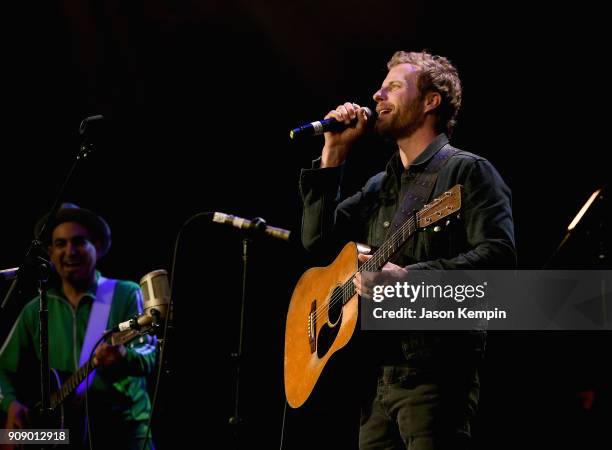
x=81, y=307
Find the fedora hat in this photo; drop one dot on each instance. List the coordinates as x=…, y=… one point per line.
x=69, y=212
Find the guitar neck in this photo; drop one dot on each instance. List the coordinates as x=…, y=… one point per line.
x=444, y=205
x=382, y=255
x=390, y=247
x=70, y=385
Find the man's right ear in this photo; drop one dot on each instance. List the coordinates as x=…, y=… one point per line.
x=432, y=101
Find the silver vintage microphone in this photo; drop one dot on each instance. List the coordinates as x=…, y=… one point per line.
x=156, y=295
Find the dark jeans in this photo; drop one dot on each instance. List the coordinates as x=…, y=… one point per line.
x=420, y=408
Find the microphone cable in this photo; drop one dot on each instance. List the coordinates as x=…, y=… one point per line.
x=169, y=313
x=282, y=435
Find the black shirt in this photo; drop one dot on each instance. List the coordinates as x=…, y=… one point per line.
x=481, y=237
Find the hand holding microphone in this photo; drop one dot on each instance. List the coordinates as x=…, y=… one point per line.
x=330, y=123
x=341, y=128
x=338, y=143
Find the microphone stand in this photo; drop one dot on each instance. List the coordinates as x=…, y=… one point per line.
x=258, y=226
x=36, y=263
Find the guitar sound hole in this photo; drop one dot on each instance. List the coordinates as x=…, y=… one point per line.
x=328, y=333
x=335, y=306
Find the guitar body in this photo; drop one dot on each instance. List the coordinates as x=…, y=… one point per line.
x=318, y=324
x=70, y=414
x=55, y=419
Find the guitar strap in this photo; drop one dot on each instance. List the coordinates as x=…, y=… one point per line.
x=98, y=322
x=420, y=187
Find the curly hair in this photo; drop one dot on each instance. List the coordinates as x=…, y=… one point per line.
x=437, y=74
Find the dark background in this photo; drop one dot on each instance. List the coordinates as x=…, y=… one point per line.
x=200, y=96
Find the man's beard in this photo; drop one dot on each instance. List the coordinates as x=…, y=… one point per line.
x=404, y=127
x=81, y=278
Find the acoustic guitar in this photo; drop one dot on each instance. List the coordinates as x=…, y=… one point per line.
x=323, y=309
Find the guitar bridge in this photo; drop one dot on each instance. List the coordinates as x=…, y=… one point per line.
x=312, y=327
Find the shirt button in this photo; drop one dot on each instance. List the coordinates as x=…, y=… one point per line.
x=386, y=224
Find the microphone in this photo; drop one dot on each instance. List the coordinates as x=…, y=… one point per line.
x=257, y=224
x=33, y=265
x=156, y=293
x=321, y=126
x=9, y=274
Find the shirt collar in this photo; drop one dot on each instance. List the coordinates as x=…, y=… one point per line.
x=439, y=141
x=90, y=293
x=395, y=166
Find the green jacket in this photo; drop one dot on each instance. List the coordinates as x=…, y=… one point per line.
x=120, y=391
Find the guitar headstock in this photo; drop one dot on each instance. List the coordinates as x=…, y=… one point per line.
x=444, y=205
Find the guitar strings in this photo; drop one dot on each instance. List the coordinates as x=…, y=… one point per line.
x=347, y=289
x=391, y=245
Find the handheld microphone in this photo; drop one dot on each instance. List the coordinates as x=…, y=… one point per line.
x=257, y=224
x=321, y=126
x=156, y=294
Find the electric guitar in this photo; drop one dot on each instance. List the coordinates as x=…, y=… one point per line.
x=65, y=385
x=323, y=309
